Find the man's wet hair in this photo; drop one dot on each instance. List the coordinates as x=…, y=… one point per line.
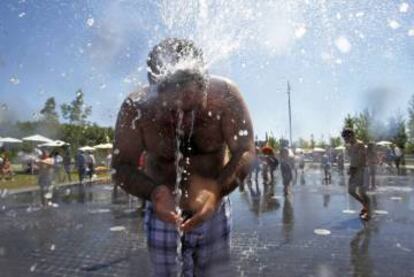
x=347, y=132
x=171, y=52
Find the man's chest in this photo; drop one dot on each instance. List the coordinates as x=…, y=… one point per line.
x=199, y=138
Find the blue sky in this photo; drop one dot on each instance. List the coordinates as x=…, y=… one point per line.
x=340, y=56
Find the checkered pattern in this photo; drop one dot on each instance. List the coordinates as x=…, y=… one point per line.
x=204, y=249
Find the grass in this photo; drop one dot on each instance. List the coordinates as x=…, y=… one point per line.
x=22, y=180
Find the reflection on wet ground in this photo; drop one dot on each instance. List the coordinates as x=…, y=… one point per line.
x=92, y=232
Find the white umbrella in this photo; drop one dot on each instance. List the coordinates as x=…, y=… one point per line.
x=104, y=146
x=341, y=147
x=299, y=150
x=87, y=148
x=10, y=140
x=56, y=143
x=318, y=149
x=384, y=143
x=37, y=138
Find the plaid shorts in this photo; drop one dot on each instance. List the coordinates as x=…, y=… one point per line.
x=204, y=249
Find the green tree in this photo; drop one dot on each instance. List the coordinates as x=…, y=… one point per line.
x=335, y=141
x=362, y=126
x=48, y=111
x=77, y=111
x=349, y=121
x=303, y=143
x=410, y=123
x=272, y=142
x=312, y=141
x=397, y=131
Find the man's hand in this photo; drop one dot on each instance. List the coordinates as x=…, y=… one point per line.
x=164, y=205
x=204, y=198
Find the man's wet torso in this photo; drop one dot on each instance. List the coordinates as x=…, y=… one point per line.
x=200, y=139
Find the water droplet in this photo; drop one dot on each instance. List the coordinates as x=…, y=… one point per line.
x=117, y=229
x=381, y=212
x=4, y=193
x=52, y=247
x=404, y=7
x=33, y=268
x=411, y=32
x=22, y=14
x=359, y=14
x=393, y=24
x=90, y=21
x=48, y=195
x=300, y=31
x=322, y=232
x=210, y=113
x=235, y=137
x=343, y=44
x=218, y=117
x=116, y=151
x=14, y=80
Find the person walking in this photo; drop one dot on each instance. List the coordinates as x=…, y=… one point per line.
x=356, y=185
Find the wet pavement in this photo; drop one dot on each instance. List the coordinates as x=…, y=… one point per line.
x=313, y=232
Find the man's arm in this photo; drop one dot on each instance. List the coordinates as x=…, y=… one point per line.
x=238, y=133
x=127, y=149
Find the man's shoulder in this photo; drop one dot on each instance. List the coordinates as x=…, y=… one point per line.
x=222, y=90
x=139, y=97
x=222, y=84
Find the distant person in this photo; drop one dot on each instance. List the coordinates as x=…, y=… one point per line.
x=340, y=159
x=81, y=165
x=109, y=161
x=255, y=166
x=67, y=163
x=269, y=165
x=389, y=158
x=90, y=164
x=45, y=165
x=356, y=186
x=6, y=170
x=301, y=162
x=326, y=165
x=397, y=154
x=372, y=162
x=57, y=167
x=286, y=169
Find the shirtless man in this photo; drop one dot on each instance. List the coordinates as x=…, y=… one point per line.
x=199, y=115
x=356, y=186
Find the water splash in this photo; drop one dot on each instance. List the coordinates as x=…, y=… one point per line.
x=177, y=189
x=182, y=162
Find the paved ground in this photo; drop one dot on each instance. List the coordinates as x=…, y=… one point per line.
x=273, y=236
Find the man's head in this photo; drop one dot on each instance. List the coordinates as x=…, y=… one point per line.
x=348, y=135
x=177, y=68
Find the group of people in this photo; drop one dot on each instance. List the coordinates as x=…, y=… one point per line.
x=267, y=162
x=85, y=163
x=184, y=120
